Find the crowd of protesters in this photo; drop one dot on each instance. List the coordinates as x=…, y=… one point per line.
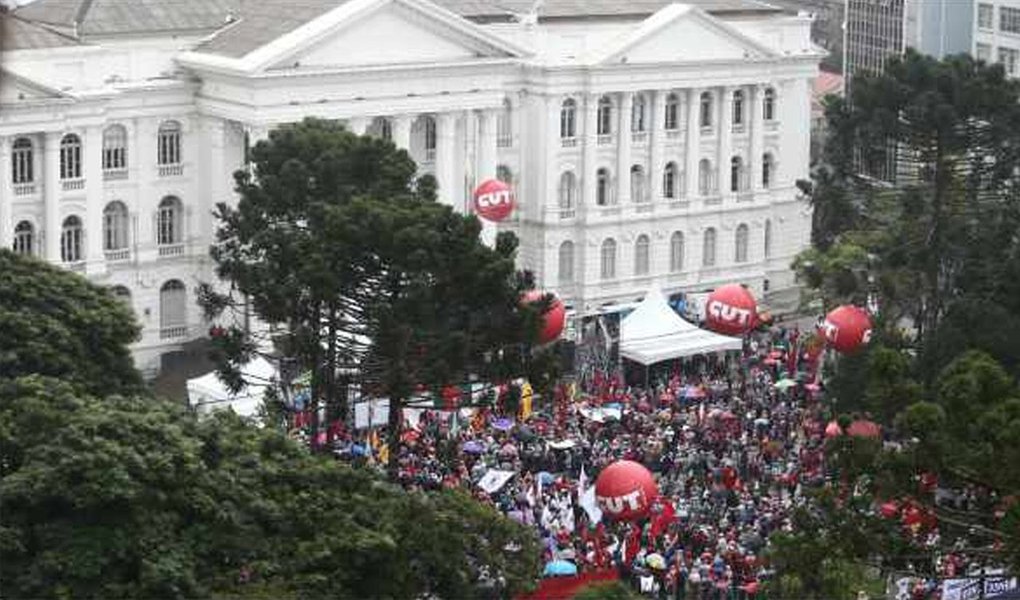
x=734, y=444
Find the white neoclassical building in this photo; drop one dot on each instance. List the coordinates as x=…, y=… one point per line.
x=647, y=142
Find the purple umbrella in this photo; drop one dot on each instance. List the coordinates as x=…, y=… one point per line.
x=503, y=423
x=473, y=447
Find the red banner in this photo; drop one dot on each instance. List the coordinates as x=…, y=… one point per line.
x=563, y=588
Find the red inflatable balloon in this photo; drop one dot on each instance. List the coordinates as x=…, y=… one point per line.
x=625, y=490
x=494, y=200
x=863, y=428
x=731, y=310
x=833, y=430
x=553, y=319
x=847, y=328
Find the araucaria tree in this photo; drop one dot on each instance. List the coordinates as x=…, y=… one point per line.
x=337, y=245
x=943, y=138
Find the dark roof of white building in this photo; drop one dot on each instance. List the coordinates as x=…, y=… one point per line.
x=19, y=34
x=114, y=17
x=257, y=22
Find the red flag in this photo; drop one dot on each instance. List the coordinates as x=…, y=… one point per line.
x=633, y=544
x=661, y=523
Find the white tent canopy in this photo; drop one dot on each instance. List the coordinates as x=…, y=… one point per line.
x=654, y=333
x=208, y=392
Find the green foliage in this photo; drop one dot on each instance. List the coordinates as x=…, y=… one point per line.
x=121, y=497
x=56, y=323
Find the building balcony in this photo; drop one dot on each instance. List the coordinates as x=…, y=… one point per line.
x=712, y=199
x=745, y=196
x=115, y=174
x=505, y=141
x=430, y=155
x=70, y=185
x=77, y=266
x=24, y=189
x=171, y=250
x=567, y=213
x=738, y=128
x=644, y=207
x=605, y=139
x=175, y=170
x=173, y=332
x=118, y=255
x=639, y=137
x=568, y=142
x=673, y=134
x=678, y=203
x=772, y=125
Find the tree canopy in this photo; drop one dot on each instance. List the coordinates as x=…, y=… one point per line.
x=57, y=323
x=125, y=497
x=336, y=243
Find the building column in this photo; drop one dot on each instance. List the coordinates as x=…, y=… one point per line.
x=358, y=125
x=551, y=206
x=6, y=193
x=402, y=131
x=485, y=167
x=725, y=140
x=693, y=150
x=143, y=215
x=757, y=137
x=623, y=149
x=591, y=148
x=92, y=169
x=51, y=224
x=446, y=161
x=655, y=140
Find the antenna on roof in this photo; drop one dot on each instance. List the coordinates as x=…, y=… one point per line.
x=529, y=18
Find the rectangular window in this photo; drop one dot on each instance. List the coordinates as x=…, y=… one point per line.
x=985, y=15
x=983, y=52
x=1009, y=57
x=1009, y=19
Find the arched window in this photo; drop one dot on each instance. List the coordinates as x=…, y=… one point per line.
x=706, y=110
x=504, y=174
x=115, y=226
x=169, y=140
x=768, y=238
x=605, y=116
x=70, y=157
x=637, y=184
x=505, y=125
x=766, y=170
x=669, y=181
x=22, y=167
x=173, y=305
x=568, y=190
x=121, y=293
x=736, y=174
x=115, y=148
x=637, y=113
x=672, y=117
x=71, y=240
x=24, y=238
x=566, y=274
x=169, y=222
x=738, y=107
x=608, y=256
x=642, y=250
x=708, y=248
x=705, y=179
x=676, y=252
x=430, y=134
x=381, y=128
x=740, y=244
x=568, y=118
x=769, y=104
x=603, y=196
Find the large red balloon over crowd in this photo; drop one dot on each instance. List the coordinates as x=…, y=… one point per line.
x=731, y=310
x=847, y=328
x=552, y=320
x=625, y=490
x=494, y=200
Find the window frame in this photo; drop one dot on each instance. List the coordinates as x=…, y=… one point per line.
x=168, y=143
x=607, y=259
x=22, y=160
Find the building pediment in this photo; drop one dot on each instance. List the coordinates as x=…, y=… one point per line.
x=16, y=88
x=681, y=33
x=363, y=33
